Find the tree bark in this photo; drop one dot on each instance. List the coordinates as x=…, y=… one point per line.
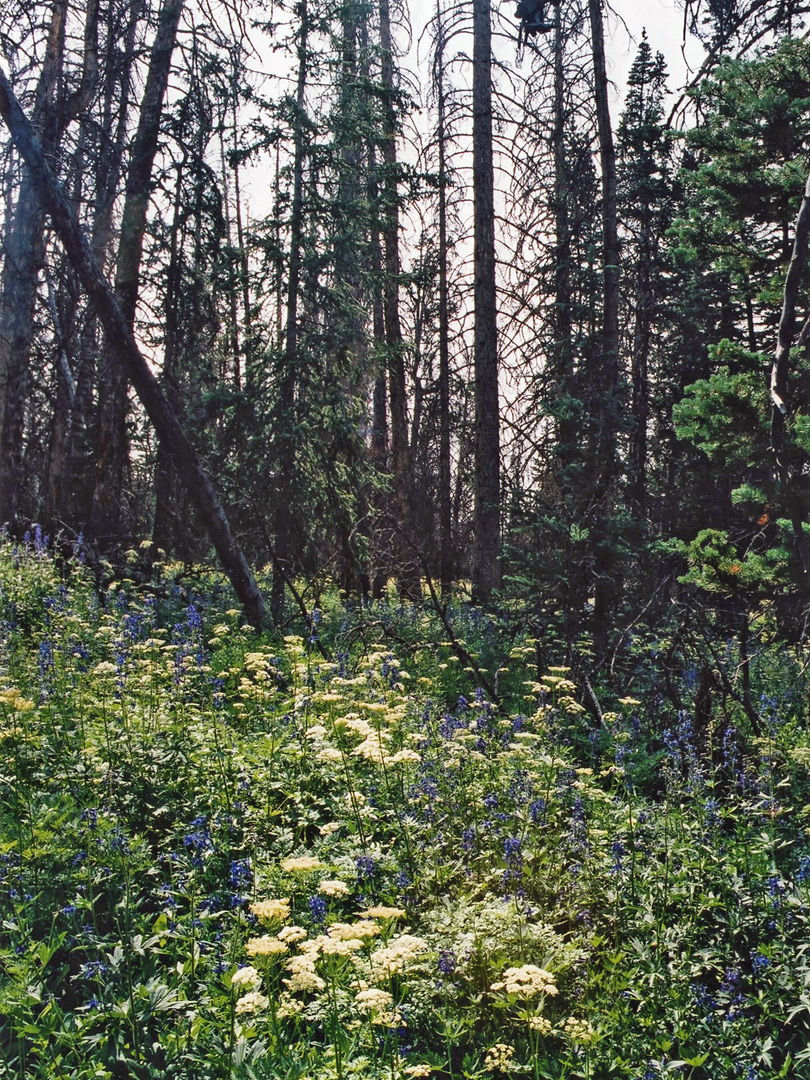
x=445, y=496
x=486, y=571
x=121, y=338
x=111, y=450
x=283, y=524
x=607, y=381
x=408, y=572
x=25, y=251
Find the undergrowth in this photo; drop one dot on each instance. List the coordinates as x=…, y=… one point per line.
x=223, y=855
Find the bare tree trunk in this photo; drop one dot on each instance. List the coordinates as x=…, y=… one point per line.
x=287, y=438
x=563, y=346
x=407, y=569
x=608, y=381
x=445, y=480
x=165, y=528
x=112, y=451
x=486, y=571
x=640, y=399
x=120, y=336
x=110, y=139
x=25, y=251
x=378, y=450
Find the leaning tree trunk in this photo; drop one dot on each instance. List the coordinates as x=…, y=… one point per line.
x=486, y=573
x=122, y=340
x=111, y=448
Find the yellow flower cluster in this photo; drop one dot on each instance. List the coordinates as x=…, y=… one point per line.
x=525, y=982
x=329, y=946
x=540, y=1025
x=303, y=977
x=363, y=928
x=290, y=934
x=301, y=864
x=400, y=952
x=418, y=1070
x=579, y=1031
x=265, y=946
x=274, y=910
x=499, y=1057
x=14, y=698
x=405, y=757
x=334, y=888
x=380, y=1006
x=352, y=724
x=251, y=1003
x=381, y=912
x=246, y=976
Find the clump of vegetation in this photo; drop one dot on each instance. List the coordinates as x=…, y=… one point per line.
x=223, y=855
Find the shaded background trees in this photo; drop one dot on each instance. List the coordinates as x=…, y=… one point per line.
x=553, y=391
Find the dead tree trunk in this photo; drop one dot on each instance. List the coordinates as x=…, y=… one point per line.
x=445, y=497
x=112, y=449
x=486, y=573
x=607, y=381
x=25, y=250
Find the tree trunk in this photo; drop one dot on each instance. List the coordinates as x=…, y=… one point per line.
x=283, y=524
x=25, y=251
x=166, y=527
x=106, y=167
x=107, y=518
x=407, y=569
x=607, y=382
x=486, y=573
x=640, y=399
x=120, y=336
x=445, y=496
x=563, y=344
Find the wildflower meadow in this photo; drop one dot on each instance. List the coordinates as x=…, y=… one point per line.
x=335, y=855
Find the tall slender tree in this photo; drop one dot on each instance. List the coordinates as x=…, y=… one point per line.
x=486, y=568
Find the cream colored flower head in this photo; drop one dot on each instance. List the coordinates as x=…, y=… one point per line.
x=499, y=1057
x=301, y=864
x=274, y=910
x=400, y=952
x=330, y=946
x=579, y=1031
x=265, y=946
x=540, y=1025
x=525, y=982
x=251, y=1003
x=405, y=757
x=334, y=888
x=304, y=982
x=290, y=934
x=381, y=912
x=246, y=976
x=418, y=1070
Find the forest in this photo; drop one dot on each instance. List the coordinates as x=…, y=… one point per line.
x=405, y=551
